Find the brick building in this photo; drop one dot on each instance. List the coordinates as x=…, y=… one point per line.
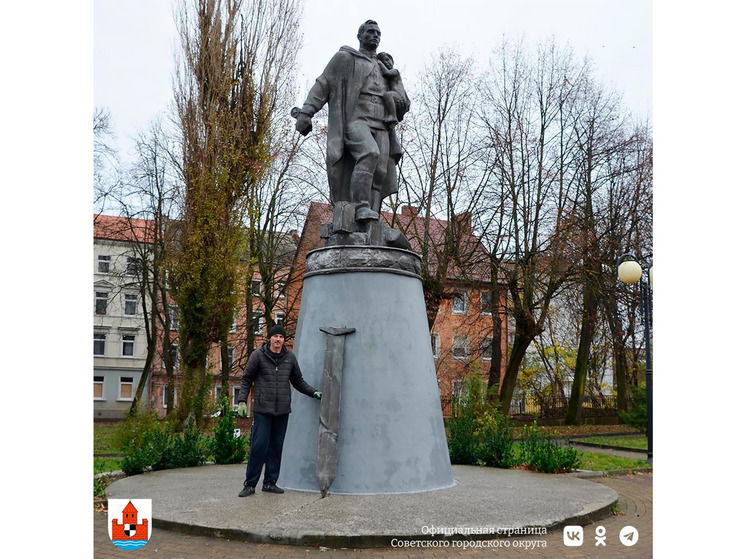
x=119, y=341
x=462, y=332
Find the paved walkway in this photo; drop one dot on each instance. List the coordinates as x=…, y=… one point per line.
x=635, y=505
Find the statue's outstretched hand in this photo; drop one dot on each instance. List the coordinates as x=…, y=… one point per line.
x=303, y=123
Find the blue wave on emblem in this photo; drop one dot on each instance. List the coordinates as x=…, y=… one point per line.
x=129, y=544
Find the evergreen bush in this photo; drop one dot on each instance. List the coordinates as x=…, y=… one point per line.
x=225, y=447
x=637, y=416
x=539, y=452
x=143, y=440
x=479, y=433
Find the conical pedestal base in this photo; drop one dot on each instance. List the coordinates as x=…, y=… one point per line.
x=391, y=436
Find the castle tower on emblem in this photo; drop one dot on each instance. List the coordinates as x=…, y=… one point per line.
x=129, y=534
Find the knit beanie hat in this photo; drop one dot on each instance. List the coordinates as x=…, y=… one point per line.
x=277, y=329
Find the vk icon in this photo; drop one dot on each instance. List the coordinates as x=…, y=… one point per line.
x=573, y=536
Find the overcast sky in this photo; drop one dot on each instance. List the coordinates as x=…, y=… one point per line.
x=134, y=42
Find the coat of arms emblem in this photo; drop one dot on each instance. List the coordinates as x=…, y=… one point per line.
x=130, y=522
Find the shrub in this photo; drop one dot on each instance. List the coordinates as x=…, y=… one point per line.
x=190, y=448
x=479, y=433
x=225, y=447
x=494, y=435
x=637, y=416
x=539, y=452
x=143, y=440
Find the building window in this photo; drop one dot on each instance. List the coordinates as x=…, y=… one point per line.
x=99, y=343
x=486, y=302
x=132, y=267
x=103, y=264
x=102, y=298
x=234, y=324
x=235, y=392
x=256, y=287
x=128, y=345
x=459, y=391
x=231, y=357
x=258, y=322
x=130, y=304
x=173, y=350
x=173, y=312
x=164, y=397
x=459, y=303
x=280, y=318
x=125, y=388
x=98, y=388
x=460, y=347
x=435, y=342
x=486, y=348
x=280, y=289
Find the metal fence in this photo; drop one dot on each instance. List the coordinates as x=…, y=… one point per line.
x=549, y=407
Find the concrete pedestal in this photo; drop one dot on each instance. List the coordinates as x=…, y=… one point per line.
x=391, y=432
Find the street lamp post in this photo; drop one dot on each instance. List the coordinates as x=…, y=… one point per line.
x=630, y=271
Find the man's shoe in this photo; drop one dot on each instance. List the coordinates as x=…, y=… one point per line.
x=247, y=490
x=272, y=488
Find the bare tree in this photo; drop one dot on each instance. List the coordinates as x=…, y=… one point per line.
x=527, y=112
x=105, y=161
x=443, y=174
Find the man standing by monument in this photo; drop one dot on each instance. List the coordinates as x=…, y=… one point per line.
x=272, y=368
x=362, y=151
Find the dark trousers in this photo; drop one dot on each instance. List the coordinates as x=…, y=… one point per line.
x=267, y=438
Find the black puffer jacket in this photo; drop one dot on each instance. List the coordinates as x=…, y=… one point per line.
x=273, y=375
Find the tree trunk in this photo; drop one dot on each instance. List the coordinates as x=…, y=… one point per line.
x=587, y=330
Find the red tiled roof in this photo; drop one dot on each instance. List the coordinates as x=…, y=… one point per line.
x=474, y=256
x=117, y=228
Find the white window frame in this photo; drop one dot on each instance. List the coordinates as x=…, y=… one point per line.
x=234, y=324
x=130, y=268
x=458, y=391
x=103, y=259
x=465, y=347
x=132, y=341
x=177, y=357
x=465, y=297
x=231, y=358
x=487, y=312
x=128, y=298
x=256, y=287
x=435, y=344
x=173, y=311
x=164, y=396
x=280, y=318
x=103, y=353
x=486, y=343
x=258, y=324
x=105, y=299
x=102, y=382
x=122, y=382
x=281, y=286
x=235, y=391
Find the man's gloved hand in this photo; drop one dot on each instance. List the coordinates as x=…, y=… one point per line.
x=317, y=395
x=242, y=410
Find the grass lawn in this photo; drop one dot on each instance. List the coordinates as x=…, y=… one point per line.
x=103, y=438
x=101, y=465
x=596, y=461
x=637, y=441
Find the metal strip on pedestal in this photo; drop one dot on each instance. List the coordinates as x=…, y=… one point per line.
x=326, y=461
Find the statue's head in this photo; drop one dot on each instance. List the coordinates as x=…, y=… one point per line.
x=387, y=59
x=369, y=35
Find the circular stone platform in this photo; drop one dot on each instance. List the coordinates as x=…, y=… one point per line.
x=204, y=501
